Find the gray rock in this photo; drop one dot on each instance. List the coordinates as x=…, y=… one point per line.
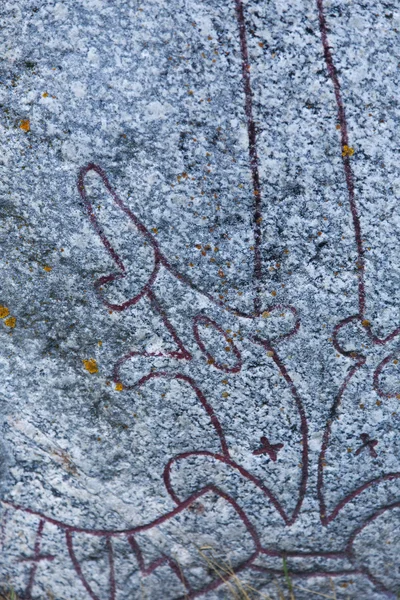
x=199, y=299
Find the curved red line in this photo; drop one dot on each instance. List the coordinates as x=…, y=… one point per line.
x=204, y=320
x=77, y=566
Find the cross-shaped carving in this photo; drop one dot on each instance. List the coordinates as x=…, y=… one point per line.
x=268, y=448
x=367, y=443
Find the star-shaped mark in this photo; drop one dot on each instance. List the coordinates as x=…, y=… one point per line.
x=367, y=443
x=268, y=448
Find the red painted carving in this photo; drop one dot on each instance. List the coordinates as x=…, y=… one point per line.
x=181, y=353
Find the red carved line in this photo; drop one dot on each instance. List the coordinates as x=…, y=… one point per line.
x=325, y=442
x=228, y=461
x=114, y=255
x=77, y=566
x=306, y=574
x=361, y=293
x=303, y=424
x=350, y=548
x=377, y=374
x=204, y=320
x=206, y=405
x=156, y=306
x=251, y=130
x=219, y=581
x=131, y=531
x=297, y=554
x=162, y=560
x=110, y=551
x=32, y=574
x=346, y=160
x=159, y=258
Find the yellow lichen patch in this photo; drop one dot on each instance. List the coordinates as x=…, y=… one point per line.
x=91, y=365
x=10, y=322
x=265, y=314
x=100, y=343
x=45, y=94
x=4, y=312
x=273, y=293
x=47, y=268
x=119, y=386
x=225, y=394
x=270, y=353
x=347, y=151
x=25, y=125
x=365, y=323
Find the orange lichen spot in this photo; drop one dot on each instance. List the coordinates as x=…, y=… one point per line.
x=47, y=268
x=365, y=323
x=155, y=230
x=225, y=381
x=25, y=125
x=338, y=126
x=216, y=249
x=395, y=362
x=347, y=151
x=362, y=405
x=265, y=314
x=349, y=450
x=273, y=293
x=225, y=394
x=286, y=251
x=378, y=402
x=191, y=265
x=210, y=361
x=190, y=92
x=45, y=95
x=198, y=246
x=10, y=322
x=319, y=233
x=91, y=365
x=119, y=387
x=261, y=44
x=221, y=273
x=4, y=312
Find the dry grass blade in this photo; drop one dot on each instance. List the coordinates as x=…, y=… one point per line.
x=8, y=594
x=298, y=587
x=333, y=587
x=224, y=570
x=281, y=595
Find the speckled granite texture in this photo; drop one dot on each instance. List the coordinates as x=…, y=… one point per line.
x=199, y=298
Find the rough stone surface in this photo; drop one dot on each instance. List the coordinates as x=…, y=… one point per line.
x=199, y=298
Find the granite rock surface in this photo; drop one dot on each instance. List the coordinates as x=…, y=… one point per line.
x=199, y=299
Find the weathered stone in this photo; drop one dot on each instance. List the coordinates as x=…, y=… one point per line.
x=199, y=299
